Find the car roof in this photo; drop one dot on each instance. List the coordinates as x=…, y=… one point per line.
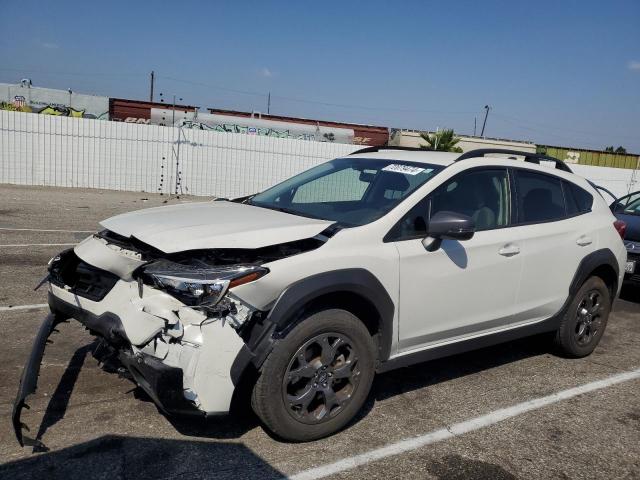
x=418, y=156
x=449, y=158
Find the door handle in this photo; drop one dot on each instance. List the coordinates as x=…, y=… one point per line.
x=509, y=250
x=584, y=240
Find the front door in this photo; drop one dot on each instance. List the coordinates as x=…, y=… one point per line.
x=464, y=287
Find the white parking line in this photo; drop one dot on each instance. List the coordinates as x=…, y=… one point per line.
x=35, y=306
x=39, y=245
x=459, y=428
x=44, y=230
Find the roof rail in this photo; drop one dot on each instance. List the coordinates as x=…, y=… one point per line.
x=528, y=157
x=387, y=147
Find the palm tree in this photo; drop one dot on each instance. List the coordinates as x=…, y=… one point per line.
x=442, y=141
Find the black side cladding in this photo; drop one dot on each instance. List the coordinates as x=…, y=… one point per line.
x=292, y=302
x=593, y=261
x=29, y=378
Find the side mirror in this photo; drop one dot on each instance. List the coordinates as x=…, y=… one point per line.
x=448, y=225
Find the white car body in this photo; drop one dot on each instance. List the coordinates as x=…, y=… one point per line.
x=499, y=281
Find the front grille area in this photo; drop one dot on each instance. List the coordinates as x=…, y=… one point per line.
x=83, y=279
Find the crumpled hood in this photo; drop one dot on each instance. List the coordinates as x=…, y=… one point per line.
x=192, y=226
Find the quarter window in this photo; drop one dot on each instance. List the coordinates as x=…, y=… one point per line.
x=539, y=197
x=577, y=199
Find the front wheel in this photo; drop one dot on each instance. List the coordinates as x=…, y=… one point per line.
x=583, y=325
x=317, y=378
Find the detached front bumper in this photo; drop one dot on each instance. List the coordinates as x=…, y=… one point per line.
x=163, y=383
x=178, y=356
x=29, y=378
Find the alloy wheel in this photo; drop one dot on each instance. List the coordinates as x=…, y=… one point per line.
x=321, y=378
x=589, y=317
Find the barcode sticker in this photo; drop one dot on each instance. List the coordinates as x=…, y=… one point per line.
x=406, y=169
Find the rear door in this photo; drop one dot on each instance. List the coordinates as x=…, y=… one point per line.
x=557, y=234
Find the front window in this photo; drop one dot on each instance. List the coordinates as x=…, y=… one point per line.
x=351, y=191
x=482, y=195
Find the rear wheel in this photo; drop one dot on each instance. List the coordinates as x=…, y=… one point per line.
x=317, y=378
x=584, y=323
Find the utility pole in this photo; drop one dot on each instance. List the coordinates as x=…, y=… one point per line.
x=475, y=124
x=173, y=114
x=269, y=103
x=486, y=114
x=151, y=90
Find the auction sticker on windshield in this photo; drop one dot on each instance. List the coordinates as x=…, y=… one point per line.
x=406, y=169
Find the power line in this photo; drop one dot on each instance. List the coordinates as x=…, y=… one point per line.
x=316, y=102
x=71, y=74
x=542, y=128
x=546, y=133
x=547, y=127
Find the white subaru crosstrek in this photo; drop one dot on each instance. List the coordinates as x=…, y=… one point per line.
x=363, y=264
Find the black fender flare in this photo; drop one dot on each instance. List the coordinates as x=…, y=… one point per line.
x=288, y=307
x=591, y=262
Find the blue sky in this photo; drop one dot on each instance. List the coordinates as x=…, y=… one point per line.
x=555, y=72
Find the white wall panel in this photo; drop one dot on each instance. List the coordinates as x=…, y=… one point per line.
x=77, y=152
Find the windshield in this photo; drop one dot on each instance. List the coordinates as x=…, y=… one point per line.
x=351, y=191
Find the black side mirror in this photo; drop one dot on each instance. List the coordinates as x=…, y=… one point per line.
x=448, y=225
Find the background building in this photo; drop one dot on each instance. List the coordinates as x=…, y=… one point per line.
x=139, y=111
x=591, y=157
x=371, y=135
x=24, y=97
x=412, y=138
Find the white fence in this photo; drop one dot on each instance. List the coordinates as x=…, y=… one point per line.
x=76, y=152
x=619, y=181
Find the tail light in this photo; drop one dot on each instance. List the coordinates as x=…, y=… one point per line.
x=620, y=227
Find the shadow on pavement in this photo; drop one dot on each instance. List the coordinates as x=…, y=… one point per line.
x=118, y=457
x=59, y=401
x=242, y=419
x=434, y=372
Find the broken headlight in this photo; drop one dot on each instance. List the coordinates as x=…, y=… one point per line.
x=198, y=286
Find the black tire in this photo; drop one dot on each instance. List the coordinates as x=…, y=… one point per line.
x=584, y=323
x=288, y=380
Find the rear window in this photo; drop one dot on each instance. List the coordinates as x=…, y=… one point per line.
x=540, y=197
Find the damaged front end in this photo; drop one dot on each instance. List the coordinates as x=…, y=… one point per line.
x=170, y=322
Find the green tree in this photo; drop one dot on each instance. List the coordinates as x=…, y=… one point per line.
x=442, y=141
x=611, y=149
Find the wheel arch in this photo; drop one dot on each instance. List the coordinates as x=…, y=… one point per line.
x=601, y=263
x=356, y=290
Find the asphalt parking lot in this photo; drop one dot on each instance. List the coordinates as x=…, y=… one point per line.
x=96, y=425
